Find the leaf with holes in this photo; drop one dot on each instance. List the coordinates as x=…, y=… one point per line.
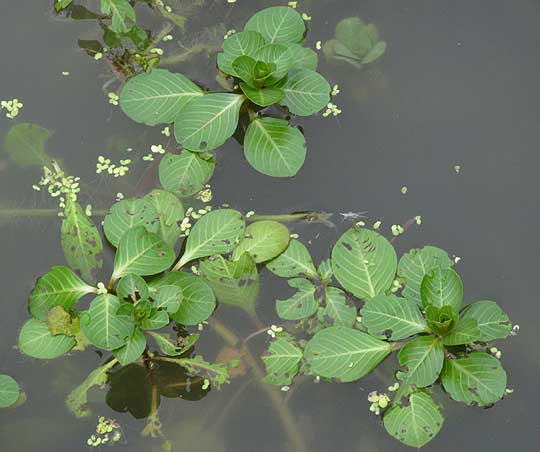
x=142, y=253
x=442, y=287
x=364, y=262
x=344, y=353
x=168, y=298
x=157, y=97
x=9, y=391
x=186, y=174
x=209, y=121
x=239, y=44
x=263, y=240
x=306, y=92
x=123, y=14
x=59, y=287
x=133, y=348
x=274, y=148
x=127, y=214
x=132, y=288
x=337, y=310
x=102, y=327
x=417, y=263
x=199, y=301
x=395, y=317
x=170, y=214
x=477, y=378
x=278, y=24
x=301, y=305
x=234, y=283
x=282, y=362
x=492, y=322
x=81, y=241
x=216, y=232
x=36, y=340
x=294, y=261
x=423, y=358
x=416, y=423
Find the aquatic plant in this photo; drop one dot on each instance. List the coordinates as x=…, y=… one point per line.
x=413, y=305
x=355, y=43
x=269, y=66
x=346, y=315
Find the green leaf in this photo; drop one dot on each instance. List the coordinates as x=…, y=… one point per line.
x=375, y=53
x=36, y=340
x=81, y=241
x=142, y=253
x=78, y=398
x=325, y=271
x=9, y=391
x=395, y=317
x=132, y=288
x=264, y=96
x=157, y=320
x=125, y=215
x=244, y=68
x=278, y=24
x=25, y=144
x=344, y=353
x=352, y=32
x=280, y=56
x=415, y=424
x=199, y=301
x=263, y=240
x=208, y=122
x=157, y=97
x=282, y=362
x=301, y=305
x=294, y=261
x=168, y=298
x=102, y=326
x=123, y=14
x=492, y=322
x=274, y=148
x=233, y=283
x=337, y=309
x=59, y=287
x=442, y=287
x=306, y=92
x=185, y=174
x=133, y=349
x=478, y=378
x=441, y=320
x=59, y=5
x=239, y=44
x=416, y=264
x=466, y=331
x=170, y=214
x=423, y=357
x=364, y=262
x=167, y=347
x=303, y=57
x=215, y=233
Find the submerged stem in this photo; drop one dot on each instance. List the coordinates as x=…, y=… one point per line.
x=45, y=213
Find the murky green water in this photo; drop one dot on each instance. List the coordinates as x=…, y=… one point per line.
x=458, y=86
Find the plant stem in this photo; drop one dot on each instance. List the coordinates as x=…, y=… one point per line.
x=285, y=416
x=313, y=217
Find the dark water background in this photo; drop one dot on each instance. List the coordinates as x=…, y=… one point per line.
x=458, y=85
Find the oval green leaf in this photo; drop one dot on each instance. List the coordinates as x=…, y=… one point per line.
x=344, y=353
x=423, y=357
x=36, y=340
x=9, y=391
x=364, y=262
x=442, y=287
x=492, y=322
x=209, y=121
x=263, y=240
x=185, y=174
x=274, y=148
x=170, y=213
x=157, y=97
x=301, y=305
x=294, y=261
x=278, y=24
x=306, y=92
